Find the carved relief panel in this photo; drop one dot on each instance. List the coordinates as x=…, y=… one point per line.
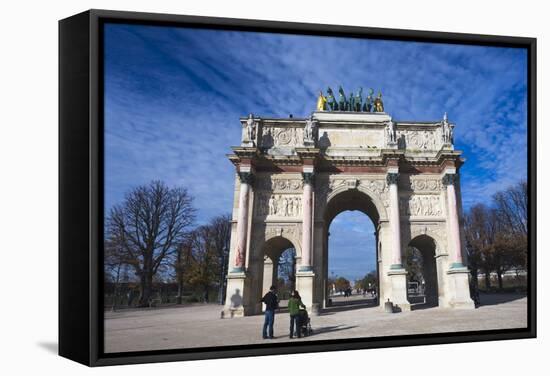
x=278, y=197
x=278, y=205
x=421, y=206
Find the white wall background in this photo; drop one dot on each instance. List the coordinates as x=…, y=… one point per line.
x=28, y=189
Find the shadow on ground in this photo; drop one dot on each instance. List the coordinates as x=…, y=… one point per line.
x=494, y=299
x=344, y=305
x=50, y=347
x=330, y=329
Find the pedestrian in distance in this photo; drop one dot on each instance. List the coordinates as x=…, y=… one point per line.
x=294, y=304
x=271, y=302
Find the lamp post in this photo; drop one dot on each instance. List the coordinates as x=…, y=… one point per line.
x=221, y=297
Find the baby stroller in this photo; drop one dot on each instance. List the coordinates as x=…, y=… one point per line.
x=305, y=323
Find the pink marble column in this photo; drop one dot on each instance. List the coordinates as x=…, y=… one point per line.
x=242, y=220
x=395, y=226
x=454, y=230
x=307, y=211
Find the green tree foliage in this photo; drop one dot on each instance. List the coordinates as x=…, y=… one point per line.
x=370, y=280
x=341, y=284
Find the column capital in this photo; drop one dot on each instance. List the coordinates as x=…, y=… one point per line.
x=309, y=177
x=392, y=178
x=246, y=177
x=449, y=178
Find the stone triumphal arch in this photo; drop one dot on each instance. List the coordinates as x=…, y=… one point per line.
x=293, y=176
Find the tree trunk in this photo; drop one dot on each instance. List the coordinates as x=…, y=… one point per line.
x=146, y=289
x=487, y=279
x=474, y=273
x=180, y=290
x=179, y=273
x=221, y=293
x=115, y=293
x=499, y=275
x=205, y=294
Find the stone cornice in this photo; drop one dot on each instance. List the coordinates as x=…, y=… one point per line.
x=307, y=153
x=245, y=152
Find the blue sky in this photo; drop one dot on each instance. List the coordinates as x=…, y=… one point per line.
x=173, y=98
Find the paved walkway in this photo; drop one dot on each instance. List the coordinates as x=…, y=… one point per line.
x=201, y=326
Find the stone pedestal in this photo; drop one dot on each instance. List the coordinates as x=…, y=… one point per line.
x=459, y=288
x=398, y=278
x=305, y=285
x=235, y=305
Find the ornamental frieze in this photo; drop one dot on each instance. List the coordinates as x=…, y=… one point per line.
x=275, y=230
x=420, y=140
x=280, y=185
x=422, y=185
x=373, y=185
x=436, y=231
x=275, y=136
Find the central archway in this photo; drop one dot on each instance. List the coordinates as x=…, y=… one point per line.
x=346, y=201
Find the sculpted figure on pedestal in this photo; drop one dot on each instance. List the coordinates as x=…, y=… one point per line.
x=391, y=131
x=378, y=104
x=447, y=130
x=351, y=103
x=367, y=107
x=309, y=130
x=321, y=102
x=342, y=100
x=331, y=100
x=358, y=100
x=250, y=128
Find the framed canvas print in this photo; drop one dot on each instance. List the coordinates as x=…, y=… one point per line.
x=241, y=187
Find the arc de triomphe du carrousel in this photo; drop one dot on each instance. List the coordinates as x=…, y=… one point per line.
x=293, y=176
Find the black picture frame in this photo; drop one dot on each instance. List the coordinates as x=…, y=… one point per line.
x=81, y=182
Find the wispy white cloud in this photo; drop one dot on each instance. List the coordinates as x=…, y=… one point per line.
x=174, y=96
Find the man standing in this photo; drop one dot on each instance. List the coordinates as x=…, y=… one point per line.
x=271, y=304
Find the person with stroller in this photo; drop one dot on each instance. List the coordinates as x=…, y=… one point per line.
x=294, y=304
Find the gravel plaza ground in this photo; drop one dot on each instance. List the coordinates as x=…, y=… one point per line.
x=179, y=327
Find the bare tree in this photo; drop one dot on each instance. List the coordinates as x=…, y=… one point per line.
x=415, y=263
x=287, y=268
x=511, y=205
x=221, y=232
x=203, y=269
x=481, y=231
x=182, y=260
x=148, y=227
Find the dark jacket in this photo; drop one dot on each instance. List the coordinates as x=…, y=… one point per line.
x=271, y=301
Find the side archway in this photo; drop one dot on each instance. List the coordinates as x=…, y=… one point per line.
x=280, y=257
x=424, y=284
